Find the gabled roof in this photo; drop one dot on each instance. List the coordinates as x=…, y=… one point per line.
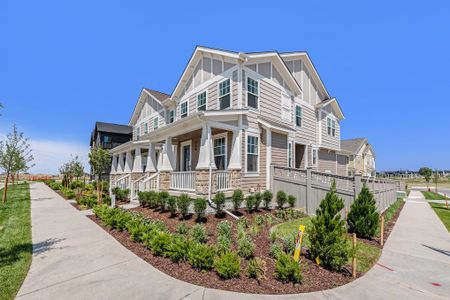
x=156, y=95
x=334, y=104
x=352, y=146
x=113, y=128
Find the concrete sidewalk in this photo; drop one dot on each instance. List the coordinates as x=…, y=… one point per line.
x=75, y=259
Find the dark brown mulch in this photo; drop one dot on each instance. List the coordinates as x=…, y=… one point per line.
x=315, y=278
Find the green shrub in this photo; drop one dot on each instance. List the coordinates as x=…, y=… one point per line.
x=200, y=207
x=250, y=202
x=172, y=205
x=275, y=250
x=227, y=265
x=327, y=235
x=223, y=245
x=246, y=247
x=137, y=227
x=158, y=225
x=257, y=268
x=259, y=220
x=267, y=198
x=288, y=242
x=291, y=200
x=240, y=231
x=160, y=243
x=258, y=200
x=281, y=199
x=363, y=216
x=201, y=256
x=121, y=194
x=88, y=200
x=224, y=229
x=198, y=233
x=219, y=201
x=183, y=229
x=163, y=196
x=183, y=203
x=178, y=249
x=68, y=193
x=287, y=269
x=237, y=198
x=243, y=221
x=152, y=199
x=273, y=236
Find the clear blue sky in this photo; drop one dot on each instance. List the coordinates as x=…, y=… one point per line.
x=65, y=65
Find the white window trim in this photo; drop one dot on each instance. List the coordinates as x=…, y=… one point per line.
x=157, y=123
x=187, y=109
x=247, y=91
x=231, y=93
x=145, y=128
x=283, y=107
x=196, y=99
x=185, y=143
x=316, y=150
x=218, y=136
x=174, y=115
x=301, y=116
x=253, y=173
x=291, y=143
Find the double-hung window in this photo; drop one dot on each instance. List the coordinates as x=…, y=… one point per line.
x=145, y=128
x=252, y=93
x=331, y=127
x=220, y=153
x=184, y=109
x=298, y=115
x=224, y=94
x=201, y=101
x=171, y=116
x=138, y=133
x=289, y=154
x=155, y=123
x=252, y=153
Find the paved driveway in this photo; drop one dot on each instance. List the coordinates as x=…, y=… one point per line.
x=75, y=259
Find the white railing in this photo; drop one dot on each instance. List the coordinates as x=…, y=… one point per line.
x=151, y=183
x=124, y=182
x=324, y=179
x=136, y=187
x=223, y=180
x=183, y=180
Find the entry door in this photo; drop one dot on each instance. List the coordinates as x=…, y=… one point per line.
x=186, y=158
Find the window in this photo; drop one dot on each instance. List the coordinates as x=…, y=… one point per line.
x=171, y=116
x=252, y=153
x=138, y=133
x=331, y=127
x=201, y=101
x=107, y=139
x=314, y=158
x=145, y=128
x=298, y=115
x=155, y=123
x=290, y=155
x=220, y=153
x=184, y=109
x=252, y=93
x=224, y=94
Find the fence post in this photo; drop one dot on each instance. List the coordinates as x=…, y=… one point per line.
x=308, y=190
x=357, y=185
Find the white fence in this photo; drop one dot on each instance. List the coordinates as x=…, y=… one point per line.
x=183, y=180
x=223, y=180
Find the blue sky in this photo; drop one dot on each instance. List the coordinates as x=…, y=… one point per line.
x=64, y=65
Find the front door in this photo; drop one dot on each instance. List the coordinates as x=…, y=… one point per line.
x=186, y=158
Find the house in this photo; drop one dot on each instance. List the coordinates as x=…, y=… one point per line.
x=230, y=117
x=108, y=136
x=361, y=157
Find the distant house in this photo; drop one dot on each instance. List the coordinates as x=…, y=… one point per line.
x=361, y=157
x=109, y=135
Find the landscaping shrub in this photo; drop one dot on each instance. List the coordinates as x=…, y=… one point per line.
x=224, y=229
x=160, y=243
x=182, y=229
x=199, y=234
x=363, y=216
x=88, y=199
x=243, y=221
x=158, y=225
x=240, y=231
x=219, y=201
x=201, y=256
x=178, y=249
x=246, y=247
x=137, y=227
x=288, y=242
x=172, y=205
x=257, y=268
x=258, y=200
x=291, y=200
x=152, y=199
x=259, y=220
x=163, y=196
x=223, y=245
x=227, y=265
x=68, y=193
x=142, y=198
x=121, y=194
x=287, y=269
x=250, y=203
x=267, y=198
x=328, y=233
x=183, y=203
x=237, y=198
x=275, y=250
x=200, y=207
x=281, y=199
x=273, y=236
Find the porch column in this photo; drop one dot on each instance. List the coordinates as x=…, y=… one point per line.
x=306, y=154
x=137, y=163
x=205, y=153
x=168, y=158
x=268, y=156
x=151, y=158
x=128, y=162
x=235, y=157
x=114, y=164
x=121, y=163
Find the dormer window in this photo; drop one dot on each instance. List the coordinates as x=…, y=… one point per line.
x=184, y=109
x=252, y=93
x=224, y=94
x=201, y=101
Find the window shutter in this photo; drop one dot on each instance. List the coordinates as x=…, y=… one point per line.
x=285, y=107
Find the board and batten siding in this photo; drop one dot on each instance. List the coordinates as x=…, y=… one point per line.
x=327, y=161
x=303, y=75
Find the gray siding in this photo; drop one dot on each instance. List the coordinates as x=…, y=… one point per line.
x=327, y=161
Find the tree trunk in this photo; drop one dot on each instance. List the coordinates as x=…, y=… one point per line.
x=5, y=189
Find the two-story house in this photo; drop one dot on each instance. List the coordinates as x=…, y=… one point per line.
x=361, y=157
x=229, y=118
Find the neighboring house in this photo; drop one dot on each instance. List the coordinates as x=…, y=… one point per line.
x=361, y=157
x=230, y=117
x=108, y=136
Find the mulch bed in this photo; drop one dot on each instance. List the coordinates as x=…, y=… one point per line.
x=315, y=278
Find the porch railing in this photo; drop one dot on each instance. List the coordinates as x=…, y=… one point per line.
x=223, y=180
x=183, y=180
x=123, y=182
x=151, y=183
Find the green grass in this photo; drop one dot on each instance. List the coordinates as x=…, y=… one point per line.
x=15, y=240
x=433, y=196
x=366, y=255
x=443, y=213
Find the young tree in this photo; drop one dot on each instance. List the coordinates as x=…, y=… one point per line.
x=15, y=156
x=426, y=173
x=100, y=162
x=65, y=171
x=328, y=233
x=363, y=216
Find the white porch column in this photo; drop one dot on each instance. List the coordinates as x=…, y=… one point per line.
x=114, y=164
x=168, y=159
x=137, y=163
x=128, y=162
x=268, y=156
x=235, y=157
x=151, y=158
x=205, y=154
x=121, y=164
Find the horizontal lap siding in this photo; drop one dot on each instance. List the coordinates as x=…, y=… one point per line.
x=212, y=96
x=270, y=101
x=307, y=133
x=234, y=94
x=328, y=140
x=327, y=161
x=279, y=149
x=255, y=182
x=342, y=165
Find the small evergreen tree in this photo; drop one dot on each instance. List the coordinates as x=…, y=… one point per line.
x=238, y=197
x=363, y=216
x=327, y=236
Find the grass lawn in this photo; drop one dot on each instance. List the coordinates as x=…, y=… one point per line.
x=433, y=196
x=15, y=240
x=366, y=255
x=443, y=213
